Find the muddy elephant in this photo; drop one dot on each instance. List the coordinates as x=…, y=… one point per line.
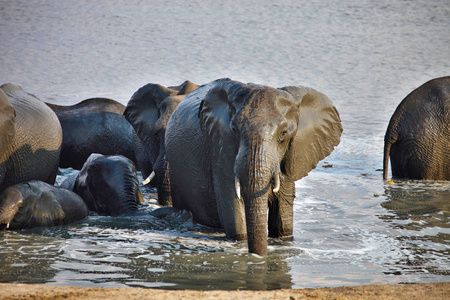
x=417, y=139
x=30, y=138
x=148, y=111
x=235, y=151
x=38, y=204
x=107, y=184
x=96, y=125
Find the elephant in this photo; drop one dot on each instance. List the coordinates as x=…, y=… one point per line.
x=96, y=125
x=417, y=139
x=107, y=184
x=87, y=106
x=38, y=204
x=148, y=111
x=30, y=138
x=235, y=151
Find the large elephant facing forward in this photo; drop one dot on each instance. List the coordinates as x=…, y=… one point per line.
x=30, y=138
x=417, y=139
x=235, y=151
x=148, y=111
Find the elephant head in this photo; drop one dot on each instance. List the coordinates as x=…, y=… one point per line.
x=266, y=139
x=36, y=203
x=108, y=184
x=148, y=111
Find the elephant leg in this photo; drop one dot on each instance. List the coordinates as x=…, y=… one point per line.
x=281, y=209
x=231, y=209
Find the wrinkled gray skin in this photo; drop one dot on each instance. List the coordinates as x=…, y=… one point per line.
x=96, y=125
x=227, y=143
x=30, y=138
x=91, y=105
x=148, y=111
x=417, y=139
x=38, y=204
x=107, y=184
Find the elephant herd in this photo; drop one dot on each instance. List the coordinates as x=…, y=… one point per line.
x=226, y=151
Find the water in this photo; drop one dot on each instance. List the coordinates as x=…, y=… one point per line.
x=351, y=228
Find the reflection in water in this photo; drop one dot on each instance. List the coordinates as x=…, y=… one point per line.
x=420, y=212
x=417, y=205
x=27, y=258
x=114, y=252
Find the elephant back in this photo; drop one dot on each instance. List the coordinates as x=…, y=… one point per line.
x=99, y=132
x=33, y=153
x=32, y=113
x=87, y=106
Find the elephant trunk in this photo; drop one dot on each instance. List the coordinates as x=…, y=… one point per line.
x=161, y=171
x=255, y=171
x=256, y=220
x=10, y=202
x=163, y=185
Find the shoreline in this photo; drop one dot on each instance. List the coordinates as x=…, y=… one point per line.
x=427, y=291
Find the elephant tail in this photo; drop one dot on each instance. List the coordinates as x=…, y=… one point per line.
x=387, y=150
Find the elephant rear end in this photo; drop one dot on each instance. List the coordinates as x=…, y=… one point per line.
x=417, y=139
x=32, y=149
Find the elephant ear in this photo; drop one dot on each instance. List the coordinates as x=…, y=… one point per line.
x=47, y=211
x=142, y=110
x=187, y=87
x=7, y=123
x=220, y=103
x=214, y=114
x=319, y=131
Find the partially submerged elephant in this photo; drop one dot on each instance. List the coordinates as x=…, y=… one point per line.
x=235, y=151
x=38, y=204
x=107, y=184
x=96, y=125
x=417, y=139
x=88, y=106
x=148, y=111
x=30, y=138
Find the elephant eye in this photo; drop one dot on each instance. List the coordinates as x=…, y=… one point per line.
x=283, y=134
x=232, y=110
x=234, y=129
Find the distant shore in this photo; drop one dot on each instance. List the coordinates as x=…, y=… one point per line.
x=399, y=291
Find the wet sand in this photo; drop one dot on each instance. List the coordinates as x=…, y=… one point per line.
x=401, y=291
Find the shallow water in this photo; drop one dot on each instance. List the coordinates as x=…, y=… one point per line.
x=350, y=227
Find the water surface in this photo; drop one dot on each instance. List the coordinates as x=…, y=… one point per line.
x=351, y=228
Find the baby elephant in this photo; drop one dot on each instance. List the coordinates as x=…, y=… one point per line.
x=417, y=139
x=107, y=184
x=36, y=204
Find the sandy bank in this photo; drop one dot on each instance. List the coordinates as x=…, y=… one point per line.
x=402, y=291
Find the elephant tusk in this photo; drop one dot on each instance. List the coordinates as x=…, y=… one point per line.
x=7, y=225
x=277, y=183
x=149, y=178
x=237, y=186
